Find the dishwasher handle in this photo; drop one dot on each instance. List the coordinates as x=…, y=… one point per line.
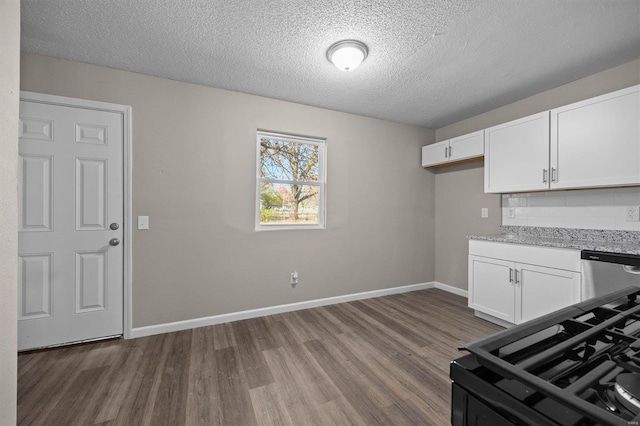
x=607, y=257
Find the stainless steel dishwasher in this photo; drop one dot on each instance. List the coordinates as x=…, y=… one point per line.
x=604, y=272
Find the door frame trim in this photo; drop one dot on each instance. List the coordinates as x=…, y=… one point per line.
x=127, y=167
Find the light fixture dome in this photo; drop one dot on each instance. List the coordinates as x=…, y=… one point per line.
x=346, y=55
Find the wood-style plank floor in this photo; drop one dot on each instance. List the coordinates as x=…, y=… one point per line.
x=377, y=361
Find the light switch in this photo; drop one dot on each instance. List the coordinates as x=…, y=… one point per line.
x=143, y=222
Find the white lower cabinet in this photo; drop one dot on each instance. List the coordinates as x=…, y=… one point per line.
x=491, y=290
x=544, y=290
x=511, y=284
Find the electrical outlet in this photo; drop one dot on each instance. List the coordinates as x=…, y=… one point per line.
x=294, y=278
x=633, y=214
x=143, y=222
x=511, y=213
x=484, y=212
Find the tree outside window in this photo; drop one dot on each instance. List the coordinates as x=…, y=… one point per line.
x=290, y=179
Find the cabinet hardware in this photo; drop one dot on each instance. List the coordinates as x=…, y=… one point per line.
x=446, y=150
x=554, y=177
x=450, y=149
x=510, y=275
x=544, y=175
x=517, y=281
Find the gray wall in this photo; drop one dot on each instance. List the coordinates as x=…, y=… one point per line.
x=459, y=198
x=194, y=160
x=460, y=190
x=9, y=95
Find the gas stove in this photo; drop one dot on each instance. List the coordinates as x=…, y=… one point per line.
x=577, y=366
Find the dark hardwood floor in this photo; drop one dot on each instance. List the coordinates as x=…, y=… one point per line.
x=377, y=361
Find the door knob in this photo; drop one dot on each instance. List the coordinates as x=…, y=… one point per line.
x=114, y=241
x=114, y=226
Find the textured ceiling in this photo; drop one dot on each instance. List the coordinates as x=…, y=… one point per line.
x=430, y=63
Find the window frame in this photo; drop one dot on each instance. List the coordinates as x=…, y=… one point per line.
x=321, y=143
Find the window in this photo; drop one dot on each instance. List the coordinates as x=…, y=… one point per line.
x=290, y=182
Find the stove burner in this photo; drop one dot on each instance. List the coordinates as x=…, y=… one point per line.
x=585, y=359
x=627, y=389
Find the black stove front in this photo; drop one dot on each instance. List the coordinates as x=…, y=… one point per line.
x=577, y=366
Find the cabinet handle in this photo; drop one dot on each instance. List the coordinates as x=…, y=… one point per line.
x=510, y=275
x=554, y=176
x=446, y=150
x=450, y=149
x=544, y=175
x=517, y=281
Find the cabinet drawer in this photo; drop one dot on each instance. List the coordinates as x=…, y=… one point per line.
x=551, y=257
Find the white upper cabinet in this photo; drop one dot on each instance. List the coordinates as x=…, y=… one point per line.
x=587, y=144
x=597, y=142
x=457, y=149
x=437, y=153
x=516, y=155
x=467, y=146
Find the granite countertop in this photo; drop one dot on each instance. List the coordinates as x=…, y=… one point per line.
x=625, y=242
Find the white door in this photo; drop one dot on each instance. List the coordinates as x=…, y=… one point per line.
x=436, y=153
x=70, y=278
x=597, y=142
x=543, y=290
x=467, y=146
x=516, y=155
x=491, y=288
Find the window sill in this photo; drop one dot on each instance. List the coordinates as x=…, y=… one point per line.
x=261, y=228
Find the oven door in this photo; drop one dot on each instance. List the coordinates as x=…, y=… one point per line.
x=467, y=410
x=603, y=273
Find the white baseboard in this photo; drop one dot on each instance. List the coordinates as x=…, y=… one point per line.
x=490, y=318
x=451, y=289
x=262, y=312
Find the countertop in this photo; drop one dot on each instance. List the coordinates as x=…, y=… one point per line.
x=625, y=242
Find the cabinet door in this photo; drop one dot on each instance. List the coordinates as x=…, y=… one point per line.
x=597, y=142
x=467, y=146
x=541, y=290
x=516, y=155
x=436, y=153
x=490, y=288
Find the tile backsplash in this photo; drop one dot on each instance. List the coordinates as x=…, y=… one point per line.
x=583, y=209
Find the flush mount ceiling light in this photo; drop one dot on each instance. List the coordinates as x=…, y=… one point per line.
x=346, y=55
